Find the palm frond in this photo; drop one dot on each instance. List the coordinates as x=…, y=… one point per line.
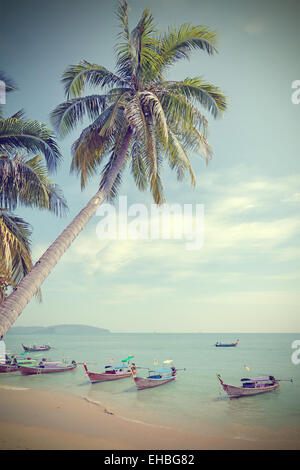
x=25, y=181
x=178, y=43
x=139, y=166
x=19, y=114
x=114, y=190
x=10, y=84
x=90, y=148
x=76, y=77
x=134, y=114
x=207, y=95
x=156, y=185
x=147, y=58
x=124, y=48
x=180, y=112
x=15, y=252
x=15, y=246
x=31, y=137
x=115, y=120
x=67, y=115
x=178, y=158
x=143, y=127
x=151, y=101
x=196, y=142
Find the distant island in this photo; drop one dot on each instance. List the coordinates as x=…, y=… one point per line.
x=58, y=330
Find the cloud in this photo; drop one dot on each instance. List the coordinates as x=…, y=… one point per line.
x=95, y=255
x=255, y=28
x=248, y=263
x=292, y=198
x=133, y=292
x=251, y=235
x=240, y=219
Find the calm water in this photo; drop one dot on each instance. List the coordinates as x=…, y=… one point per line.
x=196, y=400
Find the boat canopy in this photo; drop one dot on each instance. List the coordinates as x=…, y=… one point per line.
x=258, y=379
x=116, y=367
x=162, y=371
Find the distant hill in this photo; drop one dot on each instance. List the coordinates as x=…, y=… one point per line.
x=58, y=330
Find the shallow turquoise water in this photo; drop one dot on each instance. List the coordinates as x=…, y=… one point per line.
x=196, y=400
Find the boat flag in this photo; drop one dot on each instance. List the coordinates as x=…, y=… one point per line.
x=247, y=368
x=155, y=362
x=111, y=359
x=127, y=359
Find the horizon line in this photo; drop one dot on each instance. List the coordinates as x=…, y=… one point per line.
x=157, y=331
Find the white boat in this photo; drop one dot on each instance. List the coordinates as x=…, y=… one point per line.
x=155, y=378
x=251, y=386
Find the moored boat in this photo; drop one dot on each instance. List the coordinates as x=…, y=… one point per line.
x=13, y=363
x=5, y=368
x=251, y=386
x=155, y=378
x=110, y=373
x=227, y=345
x=34, y=348
x=47, y=368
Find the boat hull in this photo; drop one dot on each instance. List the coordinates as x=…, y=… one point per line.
x=38, y=349
x=5, y=368
x=238, y=392
x=104, y=377
x=44, y=370
x=142, y=383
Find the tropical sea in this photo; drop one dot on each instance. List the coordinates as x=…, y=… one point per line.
x=194, y=402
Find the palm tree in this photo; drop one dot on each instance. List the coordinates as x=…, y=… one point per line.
x=139, y=119
x=24, y=181
x=15, y=254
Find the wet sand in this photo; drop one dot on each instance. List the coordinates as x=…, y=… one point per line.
x=34, y=419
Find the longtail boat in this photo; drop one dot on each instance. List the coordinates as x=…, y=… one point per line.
x=5, y=368
x=155, y=378
x=34, y=348
x=227, y=345
x=26, y=361
x=110, y=373
x=13, y=364
x=47, y=368
x=252, y=386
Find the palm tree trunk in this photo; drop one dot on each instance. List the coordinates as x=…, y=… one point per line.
x=14, y=304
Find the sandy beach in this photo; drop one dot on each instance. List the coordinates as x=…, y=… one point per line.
x=34, y=419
